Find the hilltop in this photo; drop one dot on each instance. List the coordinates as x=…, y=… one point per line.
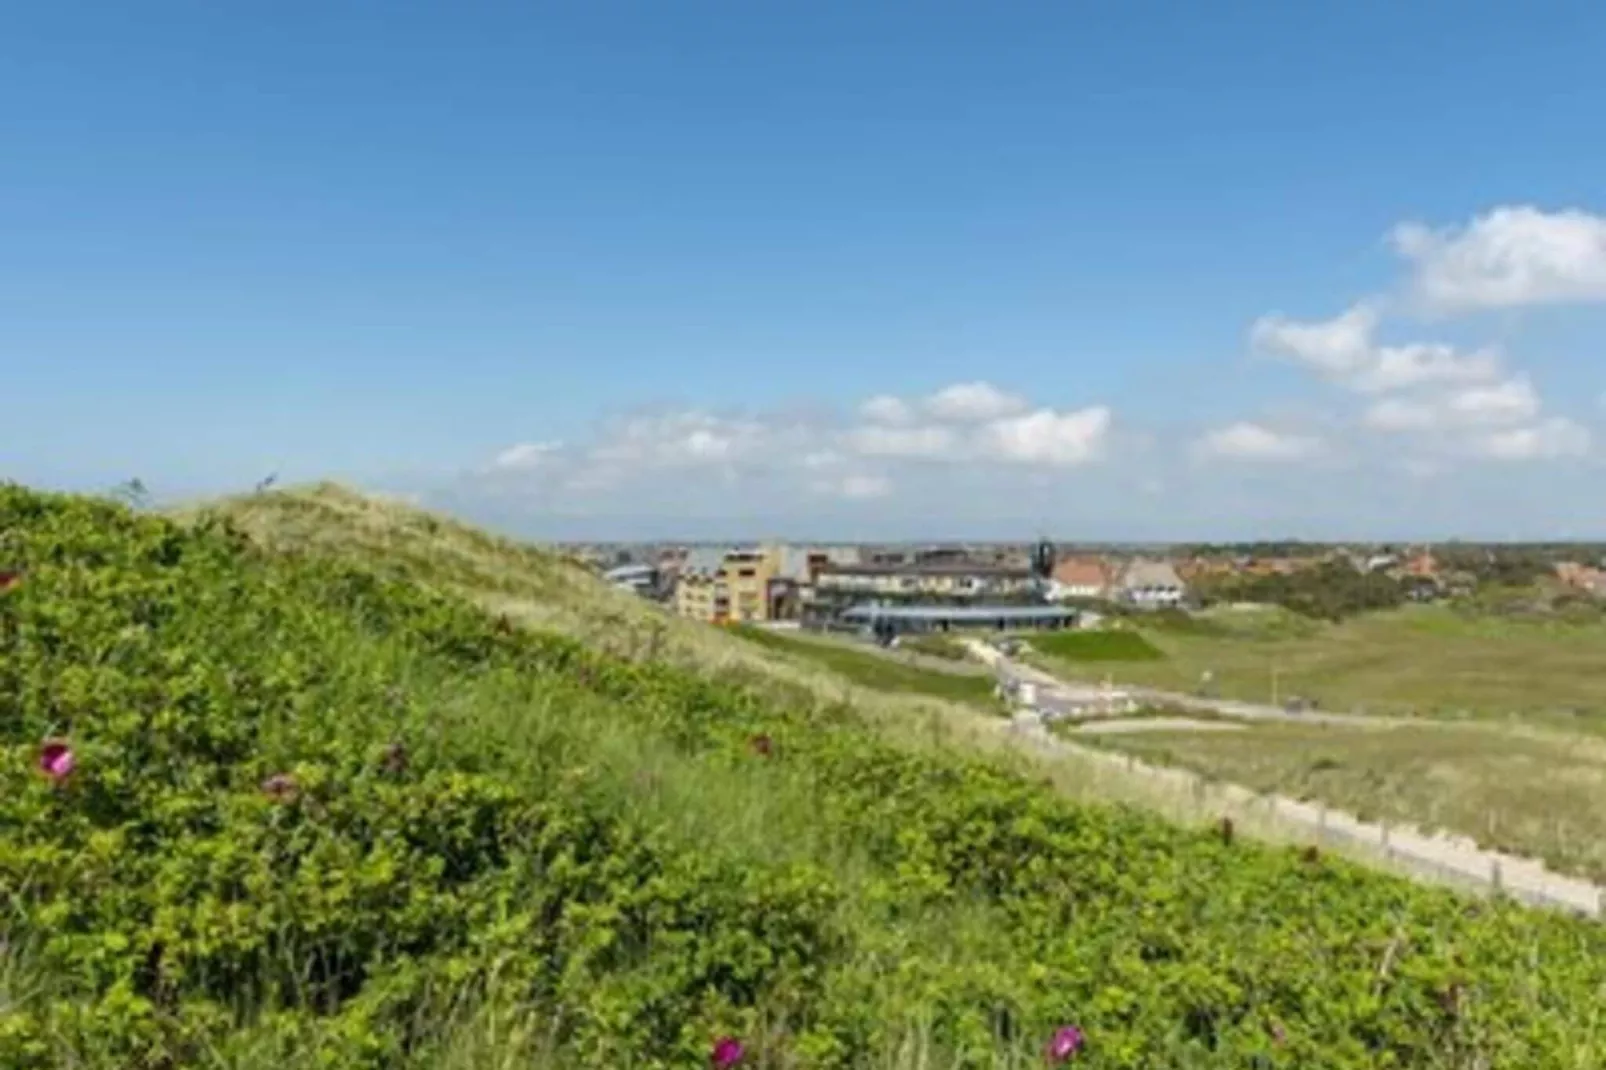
x=310, y=780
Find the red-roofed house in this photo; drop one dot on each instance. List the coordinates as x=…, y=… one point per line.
x=1082, y=577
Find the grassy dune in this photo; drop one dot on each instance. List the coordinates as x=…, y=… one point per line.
x=321, y=814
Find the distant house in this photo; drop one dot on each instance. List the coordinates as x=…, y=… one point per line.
x=1377, y=563
x=1423, y=566
x=1081, y=577
x=1586, y=578
x=1151, y=584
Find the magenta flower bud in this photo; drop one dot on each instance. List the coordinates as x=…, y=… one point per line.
x=728, y=1052
x=56, y=760
x=1065, y=1043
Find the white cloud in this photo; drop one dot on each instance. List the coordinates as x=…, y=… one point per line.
x=972, y=402
x=885, y=409
x=1343, y=350
x=1255, y=442
x=1509, y=257
x=1425, y=363
x=525, y=455
x=678, y=455
x=1512, y=401
x=1047, y=437
x=1337, y=348
x=928, y=442
x=1552, y=438
x=858, y=486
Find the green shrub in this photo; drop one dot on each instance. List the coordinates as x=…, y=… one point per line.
x=322, y=817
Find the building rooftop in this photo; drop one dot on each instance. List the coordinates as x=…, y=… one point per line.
x=703, y=560
x=935, y=569
x=959, y=613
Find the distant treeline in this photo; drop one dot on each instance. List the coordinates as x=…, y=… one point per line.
x=1330, y=590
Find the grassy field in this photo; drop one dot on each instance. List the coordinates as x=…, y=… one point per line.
x=320, y=814
x=877, y=670
x=1100, y=646
x=1420, y=660
x=1535, y=793
x=936, y=646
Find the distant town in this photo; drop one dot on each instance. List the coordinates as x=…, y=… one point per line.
x=1000, y=586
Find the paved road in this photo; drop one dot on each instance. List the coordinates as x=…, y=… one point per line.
x=1060, y=697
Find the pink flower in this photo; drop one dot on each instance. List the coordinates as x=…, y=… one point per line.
x=727, y=1053
x=56, y=760
x=1066, y=1042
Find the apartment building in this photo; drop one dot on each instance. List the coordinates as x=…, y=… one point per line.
x=722, y=586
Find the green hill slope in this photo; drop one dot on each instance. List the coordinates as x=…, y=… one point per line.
x=320, y=816
x=531, y=586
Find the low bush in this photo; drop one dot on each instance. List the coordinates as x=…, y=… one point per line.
x=268, y=810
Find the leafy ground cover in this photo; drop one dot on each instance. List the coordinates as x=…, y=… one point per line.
x=1123, y=644
x=275, y=809
x=876, y=670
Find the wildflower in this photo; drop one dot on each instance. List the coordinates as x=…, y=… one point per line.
x=1066, y=1042
x=728, y=1052
x=1279, y=1035
x=280, y=787
x=395, y=760
x=56, y=760
x=762, y=745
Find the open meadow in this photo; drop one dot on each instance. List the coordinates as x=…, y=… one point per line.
x=267, y=808
x=1430, y=661
x=1539, y=794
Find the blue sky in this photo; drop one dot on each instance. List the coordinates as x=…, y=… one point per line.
x=833, y=269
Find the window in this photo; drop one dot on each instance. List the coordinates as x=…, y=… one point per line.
x=745, y=573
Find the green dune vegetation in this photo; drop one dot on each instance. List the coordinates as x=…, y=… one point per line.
x=313, y=781
x=1443, y=661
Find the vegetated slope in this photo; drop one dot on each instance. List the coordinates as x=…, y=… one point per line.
x=880, y=671
x=530, y=585
x=319, y=817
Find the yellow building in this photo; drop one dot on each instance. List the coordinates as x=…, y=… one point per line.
x=747, y=575
x=723, y=587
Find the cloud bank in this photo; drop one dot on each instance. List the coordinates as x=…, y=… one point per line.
x=1404, y=402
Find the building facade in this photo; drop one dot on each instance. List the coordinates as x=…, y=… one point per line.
x=720, y=586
